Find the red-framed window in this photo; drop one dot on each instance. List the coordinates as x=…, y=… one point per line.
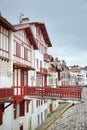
x=4, y=44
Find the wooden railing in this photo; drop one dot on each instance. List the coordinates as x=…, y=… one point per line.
x=47, y=57
x=63, y=92
x=6, y=92
x=19, y=92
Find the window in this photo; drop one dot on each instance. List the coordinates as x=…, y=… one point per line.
x=86, y=74
x=3, y=42
x=16, y=111
x=27, y=106
x=41, y=82
x=50, y=80
x=41, y=116
x=38, y=119
x=25, y=78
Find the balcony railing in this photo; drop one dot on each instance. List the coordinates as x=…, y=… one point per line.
x=47, y=57
x=58, y=93
x=6, y=93
x=18, y=92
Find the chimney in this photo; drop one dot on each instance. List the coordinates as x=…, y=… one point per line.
x=24, y=20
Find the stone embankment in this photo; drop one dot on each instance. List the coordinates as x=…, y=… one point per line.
x=50, y=122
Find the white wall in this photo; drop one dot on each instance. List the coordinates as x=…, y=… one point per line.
x=5, y=81
x=8, y=118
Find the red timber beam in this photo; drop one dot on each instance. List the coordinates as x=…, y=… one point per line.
x=67, y=92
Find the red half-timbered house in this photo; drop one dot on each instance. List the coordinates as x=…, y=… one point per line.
x=43, y=43
x=6, y=99
x=23, y=63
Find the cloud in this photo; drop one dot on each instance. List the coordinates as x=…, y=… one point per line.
x=66, y=23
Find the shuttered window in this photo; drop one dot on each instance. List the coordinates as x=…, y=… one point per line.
x=22, y=108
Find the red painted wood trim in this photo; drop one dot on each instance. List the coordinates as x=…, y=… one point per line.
x=22, y=42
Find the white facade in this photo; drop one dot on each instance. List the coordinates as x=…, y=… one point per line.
x=40, y=109
x=84, y=79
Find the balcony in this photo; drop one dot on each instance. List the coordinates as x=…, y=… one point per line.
x=54, y=93
x=62, y=92
x=6, y=95
x=43, y=70
x=48, y=58
x=20, y=92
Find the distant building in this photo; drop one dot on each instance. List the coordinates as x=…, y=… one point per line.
x=77, y=75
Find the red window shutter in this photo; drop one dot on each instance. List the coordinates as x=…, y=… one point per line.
x=22, y=108
x=41, y=65
x=18, y=50
x=26, y=54
x=21, y=127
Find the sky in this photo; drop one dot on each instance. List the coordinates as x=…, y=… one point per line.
x=65, y=20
